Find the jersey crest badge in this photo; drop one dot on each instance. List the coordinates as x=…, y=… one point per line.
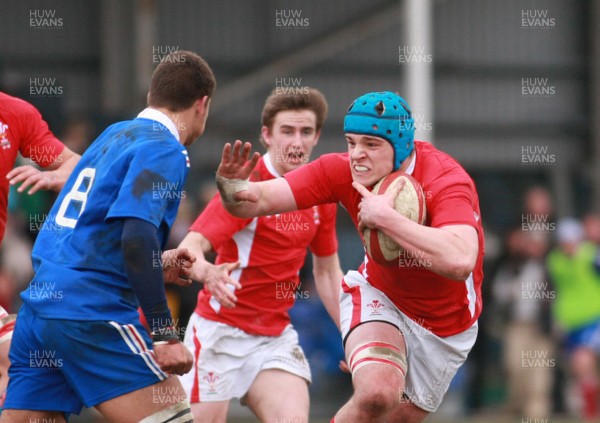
x=4, y=142
x=316, y=216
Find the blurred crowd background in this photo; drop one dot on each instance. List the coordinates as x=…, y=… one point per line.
x=510, y=88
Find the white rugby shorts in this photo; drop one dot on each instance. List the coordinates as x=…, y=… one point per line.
x=227, y=359
x=432, y=360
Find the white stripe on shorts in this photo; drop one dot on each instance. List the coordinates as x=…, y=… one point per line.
x=136, y=344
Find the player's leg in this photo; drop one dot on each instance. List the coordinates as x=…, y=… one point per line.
x=108, y=365
x=153, y=404
x=432, y=363
x=20, y=416
x=584, y=346
x=583, y=364
x=406, y=412
x=378, y=382
x=279, y=392
x=279, y=396
x=220, y=370
x=375, y=351
x=37, y=388
x=210, y=412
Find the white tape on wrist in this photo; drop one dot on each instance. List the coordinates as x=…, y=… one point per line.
x=228, y=188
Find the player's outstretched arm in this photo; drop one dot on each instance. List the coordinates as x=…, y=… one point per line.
x=53, y=178
x=216, y=278
x=451, y=250
x=328, y=277
x=139, y=245
x=243, y=198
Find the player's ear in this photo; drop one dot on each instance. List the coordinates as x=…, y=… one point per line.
x=317, y=136
x=202, y=104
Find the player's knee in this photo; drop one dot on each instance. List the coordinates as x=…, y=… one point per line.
x=376, y=400
x=180, y=413
x=378, y=370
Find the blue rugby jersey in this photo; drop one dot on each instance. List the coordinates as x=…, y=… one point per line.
x=134, y=169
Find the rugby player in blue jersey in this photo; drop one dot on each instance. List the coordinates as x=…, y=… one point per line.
x=78, y=340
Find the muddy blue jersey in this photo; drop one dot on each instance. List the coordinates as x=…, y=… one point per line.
x=134, y=169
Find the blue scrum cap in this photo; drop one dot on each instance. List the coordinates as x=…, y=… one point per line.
x=385, y=115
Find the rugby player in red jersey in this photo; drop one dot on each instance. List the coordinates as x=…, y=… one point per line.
x=406, y=328
x=240, y=333
x=22, y=130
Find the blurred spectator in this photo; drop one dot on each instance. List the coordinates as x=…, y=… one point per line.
x=521, y=308
x=538, y=201
x=591, y=227
x=577, y=307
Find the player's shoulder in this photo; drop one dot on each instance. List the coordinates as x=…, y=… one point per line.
x=435, y=163
x=341, y=158
x=9, y=100
x=16, y=107
x=333, y=163
x=427, y=152
x=144, y=135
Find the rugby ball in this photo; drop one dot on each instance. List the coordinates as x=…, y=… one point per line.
x=410, y=203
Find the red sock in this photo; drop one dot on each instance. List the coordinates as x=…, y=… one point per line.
x=589, y=392
x=332, y=420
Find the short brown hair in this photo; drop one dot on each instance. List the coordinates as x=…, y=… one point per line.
x=303, y=98
x=181, y=78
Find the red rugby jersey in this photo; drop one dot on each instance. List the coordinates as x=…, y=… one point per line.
x=272, y=250
x=444, y=306
x=22, y=129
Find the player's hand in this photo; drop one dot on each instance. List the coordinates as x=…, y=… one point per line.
x=218, y=282
x=177, y=266
x=236, y=163
x=344, y=366
x=372, y=207
x=34, y=178
x=173, y=358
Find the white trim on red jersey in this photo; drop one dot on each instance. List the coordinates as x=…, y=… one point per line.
x=244, y=240
x=471, y=293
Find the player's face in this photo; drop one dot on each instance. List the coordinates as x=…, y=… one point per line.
x=371, y=158
x=291, y=139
